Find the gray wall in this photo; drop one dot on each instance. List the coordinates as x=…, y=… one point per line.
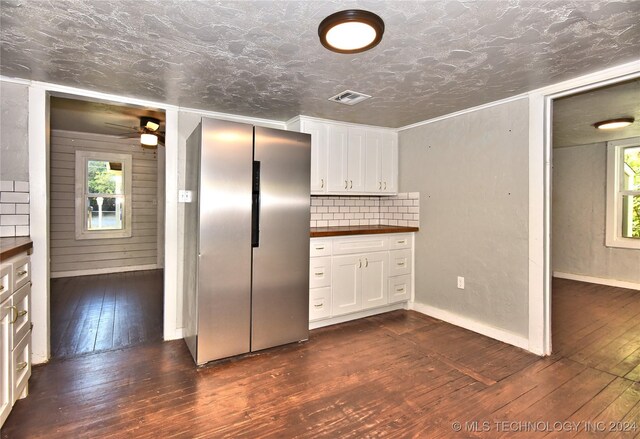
x=472, y=174
x=579, y=215
x=69, y=254
x=14, y=135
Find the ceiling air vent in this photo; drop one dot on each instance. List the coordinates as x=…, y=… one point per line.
x=349, y=97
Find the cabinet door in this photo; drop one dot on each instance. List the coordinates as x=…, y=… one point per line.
x=389, y=163
x=6, y=395
x=375, y=272
x=356, y=159
x=337, y=168
x=373, y=154
x=346, y=277
x=318, y=133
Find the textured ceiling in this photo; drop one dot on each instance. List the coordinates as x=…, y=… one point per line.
x=574, y=116
x=263, y=58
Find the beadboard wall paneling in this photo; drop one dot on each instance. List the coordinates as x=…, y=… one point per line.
x=71, y=255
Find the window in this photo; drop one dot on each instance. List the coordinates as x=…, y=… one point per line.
x=103, y=195
x=623, y=193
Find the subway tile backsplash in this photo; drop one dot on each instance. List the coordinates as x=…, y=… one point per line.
x=14, y=208
x=332, y=211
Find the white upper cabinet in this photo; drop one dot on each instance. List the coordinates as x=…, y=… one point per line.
x=350, y=159
x=389, y=163
x=356, y=159
x=319, y=153
x=337, y=164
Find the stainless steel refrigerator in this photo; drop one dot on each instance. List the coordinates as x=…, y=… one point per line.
x=246, y=232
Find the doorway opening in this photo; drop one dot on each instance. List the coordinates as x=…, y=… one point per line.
x=106, y=226
x=595, y=225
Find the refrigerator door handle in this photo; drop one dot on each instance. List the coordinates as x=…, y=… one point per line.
x=255, y=208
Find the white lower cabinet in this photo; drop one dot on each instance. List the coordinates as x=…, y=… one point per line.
x=15, y=332
x=358, y=274
x=6, y=393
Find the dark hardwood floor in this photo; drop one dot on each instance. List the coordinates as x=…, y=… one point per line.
x=397, y=375
x=105, y=312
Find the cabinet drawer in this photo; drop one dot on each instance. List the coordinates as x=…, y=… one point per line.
x=320, y=247
x=400, y=262
x=21, y=367
x=398, y=242
x=6, y=283
x=21, y=272
x=21, y=312
x=399, y=288
x=360, y=245
x=320, y=272
x=319, y=303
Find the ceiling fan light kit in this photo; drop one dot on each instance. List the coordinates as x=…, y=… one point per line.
x=148, y=139
x=351, y=31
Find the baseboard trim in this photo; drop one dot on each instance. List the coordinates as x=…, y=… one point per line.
x=472, y=325
x=103, y=271
x=598, y=280
x=356, y=315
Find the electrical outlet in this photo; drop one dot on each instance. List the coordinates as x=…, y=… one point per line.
x=461, y=282
x=184, y=196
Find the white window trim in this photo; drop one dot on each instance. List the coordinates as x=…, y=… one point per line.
x=613, y=234
x=81, y=179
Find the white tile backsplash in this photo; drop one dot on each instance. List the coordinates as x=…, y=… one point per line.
x=14, y=208
x=331, y=211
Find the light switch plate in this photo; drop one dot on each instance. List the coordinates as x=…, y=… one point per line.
x=185, y=196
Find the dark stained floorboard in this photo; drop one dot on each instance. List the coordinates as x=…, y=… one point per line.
x=397, y=375
x=105, y=311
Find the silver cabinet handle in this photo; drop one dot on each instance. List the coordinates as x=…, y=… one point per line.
x=319, y=273
x=322, y=183
x=401, y=264
x=318, y=305
x=319, y=248
x=360, y=266
x=22, y=313
x=21, y=272
x=366, y=262
x=351, y=187
x=385, y=185
x=346, y=184
x=400, y=290
x=1, y=287
x=401, y=242
x=21, y=365
x=15, y=318
x=379, y=185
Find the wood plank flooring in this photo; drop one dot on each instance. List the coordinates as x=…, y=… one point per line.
x=104, y=312
x=401, y=374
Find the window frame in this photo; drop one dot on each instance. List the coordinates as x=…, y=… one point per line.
x=82, y=192
x=615, y=163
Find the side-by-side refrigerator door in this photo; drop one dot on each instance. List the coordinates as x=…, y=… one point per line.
x=224, y=274
x=280, y=299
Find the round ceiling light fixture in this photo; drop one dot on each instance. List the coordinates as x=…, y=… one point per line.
x=351, y=31
x=613, y=124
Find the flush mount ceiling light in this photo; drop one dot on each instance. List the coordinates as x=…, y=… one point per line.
x=351, y=31
x=612, y=124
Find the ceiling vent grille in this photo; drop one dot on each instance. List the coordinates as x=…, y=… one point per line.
x=349, y=97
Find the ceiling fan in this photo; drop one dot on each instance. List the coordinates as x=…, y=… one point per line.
x=148, y=131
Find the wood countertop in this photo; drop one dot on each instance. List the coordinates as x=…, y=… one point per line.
x=13, y=246
x=321, y=232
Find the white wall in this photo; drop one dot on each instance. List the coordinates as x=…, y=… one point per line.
x=472, y=174
x=579, y=212
x=14, y=138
